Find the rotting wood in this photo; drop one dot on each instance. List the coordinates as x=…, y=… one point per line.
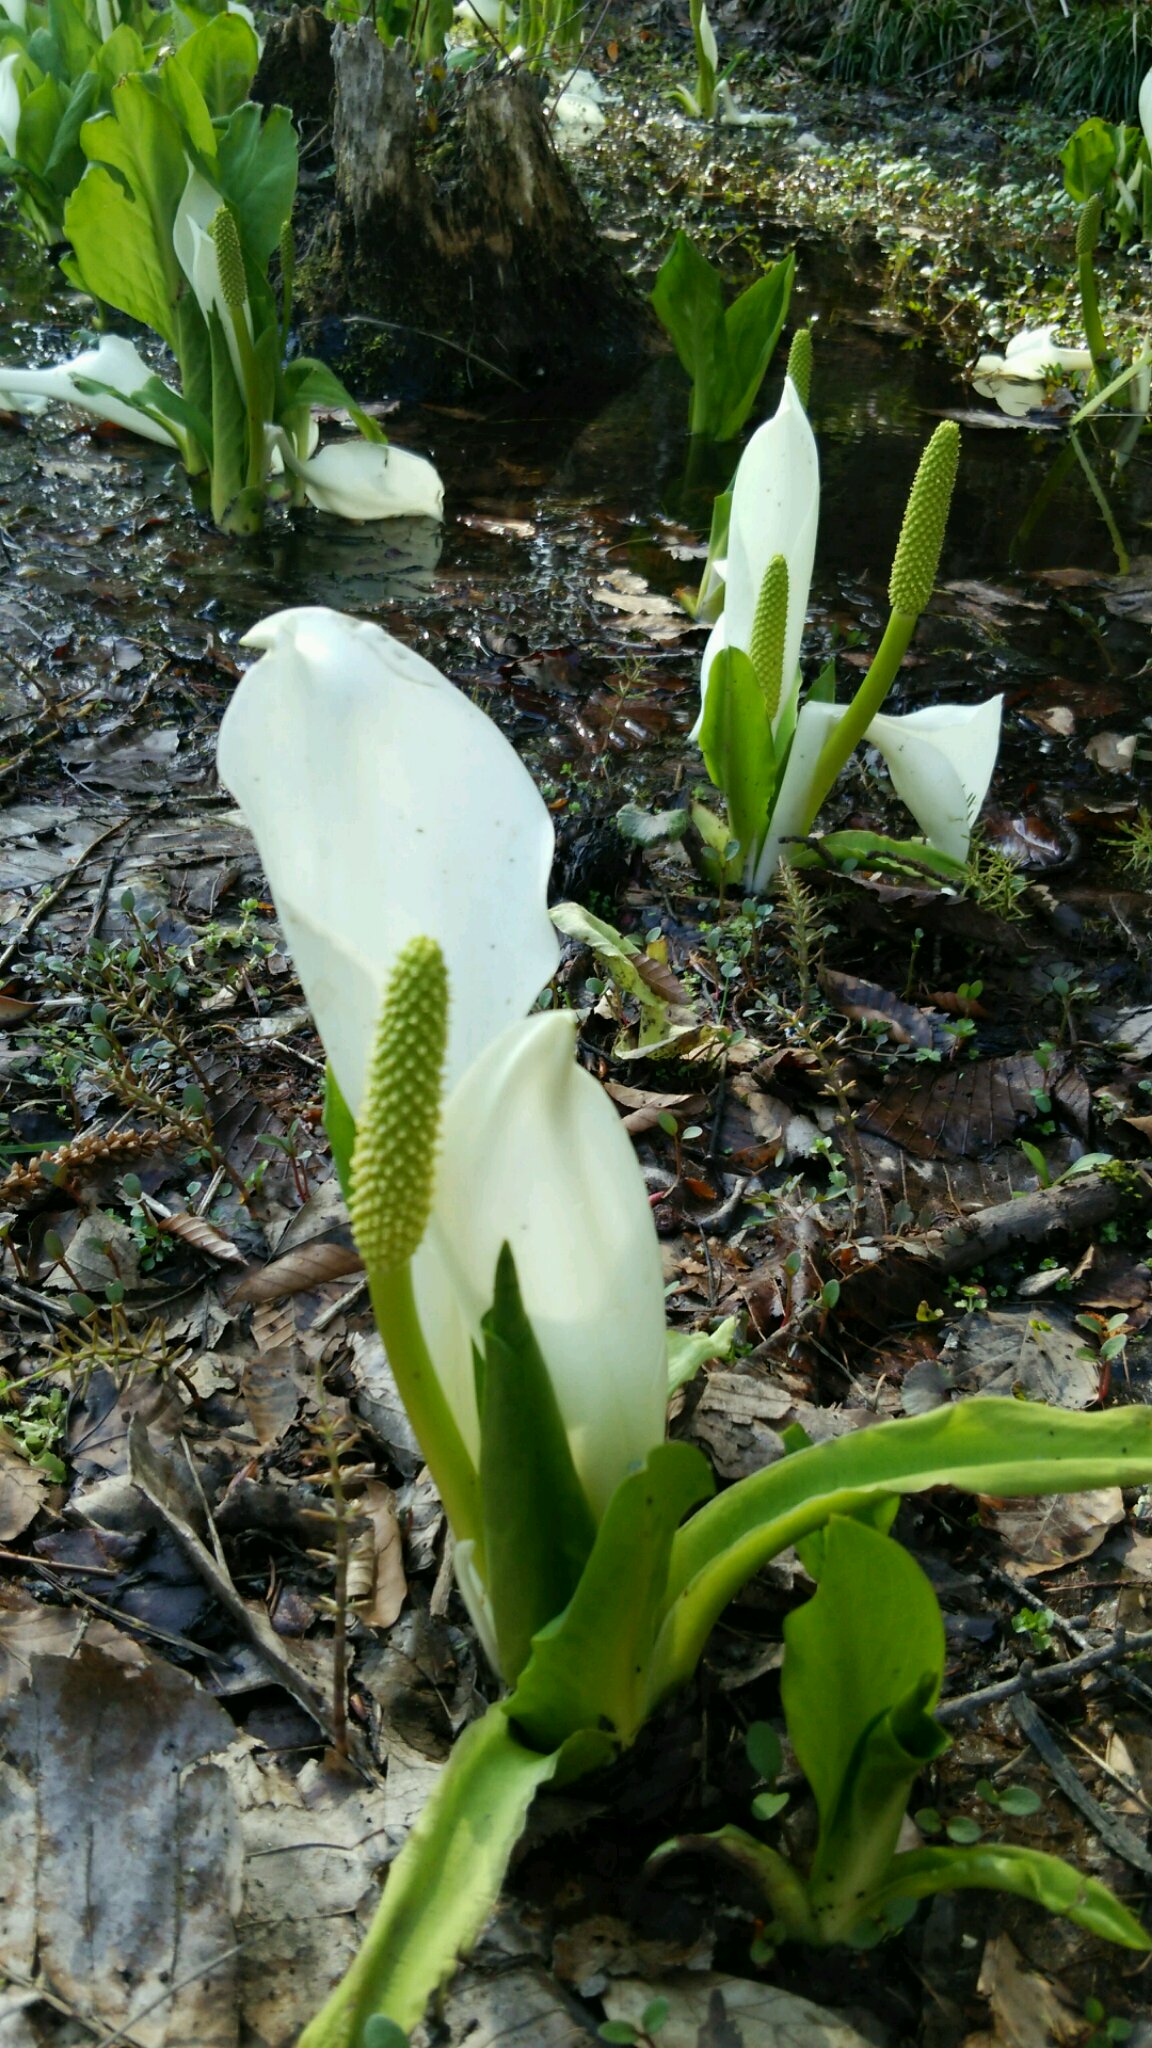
x=465, y=231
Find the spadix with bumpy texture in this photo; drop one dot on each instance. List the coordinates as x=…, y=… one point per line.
x=769, y=632
x=800, y=364
x=394, y=1160
x=230, y=259
x=926, y=516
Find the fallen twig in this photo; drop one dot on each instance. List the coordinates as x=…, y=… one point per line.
x=1033, y=1678
x=1111, y=1831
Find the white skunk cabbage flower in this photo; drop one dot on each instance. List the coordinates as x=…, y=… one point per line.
x=196, y=254
x=940, y=760
x=533, y=1154
x=387, y=806
x=1017, y=380
x=775, y=511
x=1145, y=107
x=14, y=12
x=579, y=110
x=359, y=479
x=114, y=362
x=10, y=101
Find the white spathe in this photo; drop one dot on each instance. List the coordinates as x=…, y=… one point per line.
x=940, y=760
x=10, y=102
x=775, y=511
x=359, y=479
x=196, y=254
x=114, y=362
x=15, y=12
x=386, y=806
x=533, y=1154
x=1145, y=107
x=1017, y=380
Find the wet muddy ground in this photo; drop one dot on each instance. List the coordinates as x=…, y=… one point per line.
x=861, y=1099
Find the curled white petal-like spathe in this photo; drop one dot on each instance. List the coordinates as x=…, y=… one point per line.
x=15, y=12
x=10, y=101
x=534, y=1155
x=114, y=362
x=1145, y=107
x=1017, y=380
x=474, y=1594
x=196, y=254
x=386, y=806
x=941, y=761
x=775, y=511
x=357, y=479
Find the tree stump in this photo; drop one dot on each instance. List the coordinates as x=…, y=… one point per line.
x=296, y=69
x=463, y=235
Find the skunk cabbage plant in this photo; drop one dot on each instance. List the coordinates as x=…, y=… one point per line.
x=514, y=1270
x=726, y=351
x=1019, y=379
x=186, y=197
x=776, y=759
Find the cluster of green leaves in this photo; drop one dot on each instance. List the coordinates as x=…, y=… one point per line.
x=725, y=350
x=1111, y=159
x=863, y=1666
x=59, y=62
x=181, y=153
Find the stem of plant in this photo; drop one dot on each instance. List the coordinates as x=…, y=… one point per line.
x=394, y=1306
x=845, y=737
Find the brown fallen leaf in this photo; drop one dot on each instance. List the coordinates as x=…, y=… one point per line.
x=962, y=1111
x=23, y=1489
x=120, y=1877
x=271, y=1389
x=202, y=1236
x=706, y=2010
x=1042, y=1535
x=310, y=1265
x=377, y=1586
x=866, y=1002
x=1027, y=2010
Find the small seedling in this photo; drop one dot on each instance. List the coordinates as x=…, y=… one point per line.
x=652, y=2018
x=1037, y=1623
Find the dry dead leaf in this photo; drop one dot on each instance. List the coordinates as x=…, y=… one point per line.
x=121, y=1871
x=1041, y=1535
x=376, y=1582
x=23, y=1490
x=961, y=1112
x=710, y=2011
x=271, y=1390
x=733, y=1421
x=866, y=1002
x=1035, y=1352
x=310, y=1265
x=1028, y=2011
x=194, y=1231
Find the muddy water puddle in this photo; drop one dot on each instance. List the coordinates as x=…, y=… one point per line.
x=550, y=584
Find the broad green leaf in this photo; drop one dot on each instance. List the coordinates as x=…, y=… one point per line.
x=68, y=42
x=856, y=849
x=752, y=328
x=442, y=1886
x=1029, y=1873
x=177, y=86
x=308, y=382
x=125, y=250
x=588, y=1670
x=661, y=1021
x=538, y=1526
x=221, y=59
x=688, y=1350
x=737, y=745
x=980, y=1445
x=115, y=256
x=340, y=1125
x=256, y=163
x=688, y=299
x=870, y=1638
x=123, y=52
x=1088, y=158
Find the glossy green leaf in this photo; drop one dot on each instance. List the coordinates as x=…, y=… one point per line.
x=1088, y=158
x=980, y=1445
x=442, y=1886
x=737, y=745
x=589, y=1669
x=688, y=299
x=538, y=1526
x=340, y=1124
x=752, y=327
x=1029, y=1873
x=220, y=58
x=256, y=165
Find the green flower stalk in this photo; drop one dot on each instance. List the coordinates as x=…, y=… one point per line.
x=800, y=364
x=390, y=1200
x=913, y=576
x=1087, y=236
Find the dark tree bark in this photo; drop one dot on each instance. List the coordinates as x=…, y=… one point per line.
x=296, y=69
x=467, y=228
